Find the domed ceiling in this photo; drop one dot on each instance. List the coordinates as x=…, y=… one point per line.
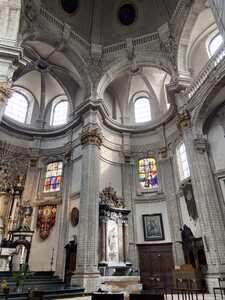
x=111, y=21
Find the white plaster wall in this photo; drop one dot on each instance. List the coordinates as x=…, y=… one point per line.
x=76, y=177
x=41, y=251
x=216, y=141
x=111, y=175
x=186, y=219
x=152, y=208
x=55, y=142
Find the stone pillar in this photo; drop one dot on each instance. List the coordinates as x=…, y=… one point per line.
x=125, y=241
x=64, y=216
x=4, y=201
x=168, y=186
x=87, y=273
x=207, y=202
x=103, y=241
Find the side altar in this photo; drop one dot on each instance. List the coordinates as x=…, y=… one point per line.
x=113, y=219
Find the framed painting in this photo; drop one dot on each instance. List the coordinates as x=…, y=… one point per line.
x=153, y=227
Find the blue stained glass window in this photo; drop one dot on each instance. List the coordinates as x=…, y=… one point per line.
x=148, y=174
x=53, y=177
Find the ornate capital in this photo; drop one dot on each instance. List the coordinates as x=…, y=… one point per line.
x=163, y=152
x=200, y=144
x=5, y=91
x=183, y=120
x=91, y=136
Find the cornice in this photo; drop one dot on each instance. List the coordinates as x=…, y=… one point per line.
x=94, y=105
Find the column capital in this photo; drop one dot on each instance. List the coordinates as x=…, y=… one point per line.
x=91, y=136
x=200, y=144
x=5, y=91
x=163, y=152
x=183, y=120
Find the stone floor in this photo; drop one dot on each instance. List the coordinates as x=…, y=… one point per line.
x=175, y=297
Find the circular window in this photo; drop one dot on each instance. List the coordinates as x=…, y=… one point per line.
x=70, y=6
x=127, y=14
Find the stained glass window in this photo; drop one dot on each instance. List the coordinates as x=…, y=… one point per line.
x=148, y=175
x=53, y=177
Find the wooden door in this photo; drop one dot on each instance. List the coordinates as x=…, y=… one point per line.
x=156, y=265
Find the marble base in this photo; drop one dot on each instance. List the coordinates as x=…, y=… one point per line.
x=124, y=284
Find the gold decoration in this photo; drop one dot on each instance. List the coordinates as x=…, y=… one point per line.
x=5, y=91
x=183, y=120
x=46, y=220
x=91, y=136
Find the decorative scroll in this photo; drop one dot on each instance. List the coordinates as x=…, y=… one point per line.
x=46, y=220
x=108, y=197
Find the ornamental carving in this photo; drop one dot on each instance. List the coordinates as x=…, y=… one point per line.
x=46, y=220
x=5, y=91
x=108, y=197
x=163, y=152
x=91, y=136
x=183, y=120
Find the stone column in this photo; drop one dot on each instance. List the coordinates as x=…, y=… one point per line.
x=125, y=241
x=207, y=202
x=168, y=186
x=87, y=273
x=64, y=216
x=103, y=240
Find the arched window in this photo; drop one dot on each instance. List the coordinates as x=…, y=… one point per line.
x=142, y=110
x=59, y=113
x=148, y=173
x=215, y=44
x=53, y=177
x=182, y=161
x=17, y=108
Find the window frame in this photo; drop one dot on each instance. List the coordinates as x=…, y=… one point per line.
x=142, y=189
x=27, y=109
x=149, y=103
x=180, y=163
x=209, y=41
x=44, y=178
x=56, y=102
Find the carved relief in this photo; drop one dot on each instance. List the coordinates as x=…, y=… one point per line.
x=108, y=197
x=46, y=220
x=91, y=136
x=183, y=120
x=5, y=91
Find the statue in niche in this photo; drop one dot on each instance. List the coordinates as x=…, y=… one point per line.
x=113, y=244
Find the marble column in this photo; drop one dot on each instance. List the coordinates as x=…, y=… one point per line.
x=207, y=202
x=102, y=258
x=168, y=186
x=87, y=273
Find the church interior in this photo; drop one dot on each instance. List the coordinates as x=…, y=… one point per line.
x=112, y=140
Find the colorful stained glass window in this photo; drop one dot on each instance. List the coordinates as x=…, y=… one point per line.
x=148, y=175
x=53, y=177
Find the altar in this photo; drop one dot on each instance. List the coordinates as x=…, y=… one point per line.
x=113, y=224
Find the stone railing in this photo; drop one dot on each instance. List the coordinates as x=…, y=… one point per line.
x=204, y=74
x=136, y=42
x=60, y=26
